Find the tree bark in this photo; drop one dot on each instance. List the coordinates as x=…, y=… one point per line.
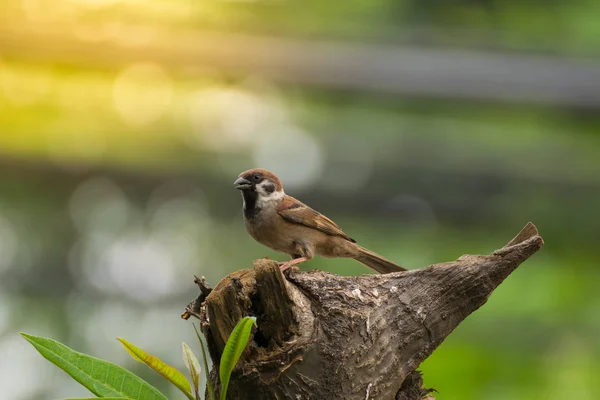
x=323, y=336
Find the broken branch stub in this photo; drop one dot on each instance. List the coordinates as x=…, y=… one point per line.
x=323, y=336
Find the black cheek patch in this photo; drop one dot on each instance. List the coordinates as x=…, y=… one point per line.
x=269, y=188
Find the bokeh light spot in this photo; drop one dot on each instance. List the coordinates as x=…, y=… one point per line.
x=142, y=268
x=295, y=156
x=229, y=120
x=98, y=204
x=142, y=93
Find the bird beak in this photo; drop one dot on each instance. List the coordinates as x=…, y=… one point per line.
x=242, y=183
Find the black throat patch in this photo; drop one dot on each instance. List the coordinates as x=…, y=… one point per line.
x=250, y=208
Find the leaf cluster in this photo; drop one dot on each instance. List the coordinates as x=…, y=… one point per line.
x=111, y=381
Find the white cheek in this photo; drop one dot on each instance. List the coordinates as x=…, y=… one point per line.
x=260, y=189
x=266, y=196
x=266, y=199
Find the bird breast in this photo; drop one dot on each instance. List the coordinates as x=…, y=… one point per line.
x=268, y=228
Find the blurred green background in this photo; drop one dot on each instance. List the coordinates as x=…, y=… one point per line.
x=426, y=129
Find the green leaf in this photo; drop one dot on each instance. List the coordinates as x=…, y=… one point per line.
x=193, y=366
x=211, y=390
x=102, y=378
x=164, y=369
x=233, y=350
x=105, y=398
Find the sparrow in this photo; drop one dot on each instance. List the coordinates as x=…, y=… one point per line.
x=285, y=224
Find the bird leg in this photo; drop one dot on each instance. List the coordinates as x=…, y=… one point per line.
x=285, y=265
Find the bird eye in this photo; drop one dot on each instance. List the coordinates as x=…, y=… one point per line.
x=256, y=178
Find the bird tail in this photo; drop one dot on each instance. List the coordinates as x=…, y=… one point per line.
x=376, y=262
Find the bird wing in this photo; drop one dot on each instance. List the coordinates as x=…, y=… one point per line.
x=297, y=212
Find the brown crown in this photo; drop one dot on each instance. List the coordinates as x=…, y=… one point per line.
x=265, y=174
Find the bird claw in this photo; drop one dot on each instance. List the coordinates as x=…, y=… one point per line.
x=284, y=266
x=287, y=264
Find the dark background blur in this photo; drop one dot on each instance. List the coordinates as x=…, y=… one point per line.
x=426, y=129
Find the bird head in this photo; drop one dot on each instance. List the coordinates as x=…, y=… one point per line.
x=265, y=183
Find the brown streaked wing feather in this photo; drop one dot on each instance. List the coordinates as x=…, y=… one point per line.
x=295, y=211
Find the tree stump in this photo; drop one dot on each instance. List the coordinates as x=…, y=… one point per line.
x=324, y=336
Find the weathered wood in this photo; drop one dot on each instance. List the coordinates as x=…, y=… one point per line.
x=273, y=304
x=323, y=336
x=193, y=309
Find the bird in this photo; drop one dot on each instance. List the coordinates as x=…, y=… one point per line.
x=287, y=225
